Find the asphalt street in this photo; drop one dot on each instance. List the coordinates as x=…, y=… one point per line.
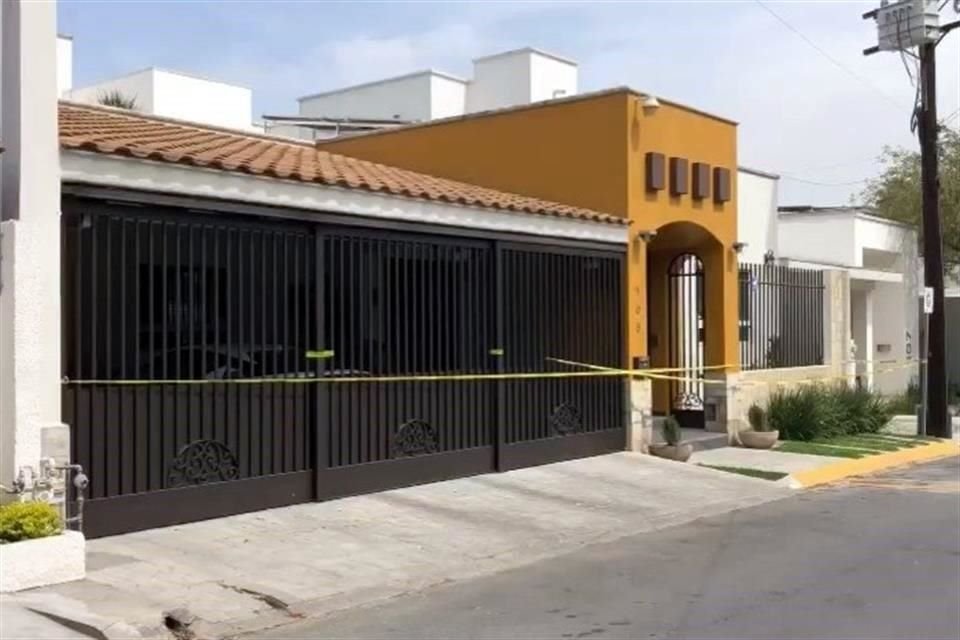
x=876, y=557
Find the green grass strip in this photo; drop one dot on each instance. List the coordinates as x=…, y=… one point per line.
x=903, y=441
x=746, y=471
x=811, y=448
x=859, y=443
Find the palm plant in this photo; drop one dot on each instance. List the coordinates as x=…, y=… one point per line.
x=116, y=98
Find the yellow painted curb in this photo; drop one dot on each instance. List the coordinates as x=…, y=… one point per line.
x=871, y=464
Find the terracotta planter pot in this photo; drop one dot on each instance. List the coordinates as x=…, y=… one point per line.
x=680, y=453
x=759, y=439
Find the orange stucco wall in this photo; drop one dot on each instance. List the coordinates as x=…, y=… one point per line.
x=703, y=227
x=570, y=151
x=590, y=151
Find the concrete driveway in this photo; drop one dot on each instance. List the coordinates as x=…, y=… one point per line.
x=257, y=570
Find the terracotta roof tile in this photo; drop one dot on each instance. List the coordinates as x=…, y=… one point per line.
x=107, y=130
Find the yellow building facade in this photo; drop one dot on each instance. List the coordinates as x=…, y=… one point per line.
x=668, y=168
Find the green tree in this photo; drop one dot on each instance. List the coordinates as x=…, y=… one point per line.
x=895, y=194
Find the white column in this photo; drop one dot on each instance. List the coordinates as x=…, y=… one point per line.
x=870, y=348
x=30, y=226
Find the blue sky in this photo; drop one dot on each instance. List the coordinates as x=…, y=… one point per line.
x=813, y=116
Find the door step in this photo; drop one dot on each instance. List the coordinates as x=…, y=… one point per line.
x=700, y=440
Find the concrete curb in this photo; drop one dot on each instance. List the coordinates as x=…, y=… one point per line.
x=89, y=625
x=872, y=464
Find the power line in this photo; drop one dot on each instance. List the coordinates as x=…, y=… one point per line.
x=787, y=176
x=829, y=57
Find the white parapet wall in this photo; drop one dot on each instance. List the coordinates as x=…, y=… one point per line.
x=175, y=94
x=41, y=562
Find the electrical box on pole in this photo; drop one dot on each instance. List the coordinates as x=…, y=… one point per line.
x=906, y=24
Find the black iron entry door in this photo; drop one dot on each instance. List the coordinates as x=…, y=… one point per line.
x=686, y=338
x=562, y=312
x=402, y=307
x=164, y=315
x=218, y=364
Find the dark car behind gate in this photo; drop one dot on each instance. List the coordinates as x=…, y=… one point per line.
x=219, y=363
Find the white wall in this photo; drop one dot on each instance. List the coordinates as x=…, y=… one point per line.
x=499, y=81
x=137, y=85
x=403, y=98
x=448, y=97
x=881, y=244
x=30, y=235
x=64, y=64
x=818, y=237
x=757, y=214
x=551, y=78
x=178, y=95
x=519, y=77
x=891, y=320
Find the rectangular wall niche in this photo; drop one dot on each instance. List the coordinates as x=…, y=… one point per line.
x=721, y=184
x=701, y=180
x=656, y=171
x=678, y=176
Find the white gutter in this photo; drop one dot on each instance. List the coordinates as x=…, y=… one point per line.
x=159, y=177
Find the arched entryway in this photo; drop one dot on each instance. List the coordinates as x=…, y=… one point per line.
x=684, y=261
x=685, y=338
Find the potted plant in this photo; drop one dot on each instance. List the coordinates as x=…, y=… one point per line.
x=35, y=550
x=672, y=448
x=760, y=436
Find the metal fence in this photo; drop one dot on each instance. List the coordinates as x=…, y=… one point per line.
x=781, y=317
x=190, y=342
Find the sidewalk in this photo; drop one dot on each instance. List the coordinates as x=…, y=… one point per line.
x=249, y=572
x=806, y=470
x=761, y=459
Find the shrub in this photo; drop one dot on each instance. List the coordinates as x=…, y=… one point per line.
x=670, y=430
x=757, y=418
x=906, y=402
x=116, y=98
x=28, y=520
x=822, y=411
x=860, y=410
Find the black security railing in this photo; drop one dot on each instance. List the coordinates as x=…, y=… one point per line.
x=269, y=361
x=781, y=316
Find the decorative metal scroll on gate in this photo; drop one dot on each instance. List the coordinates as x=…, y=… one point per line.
x=415, y=437
x=566, y=419
x=685, y=292
x=200, y=462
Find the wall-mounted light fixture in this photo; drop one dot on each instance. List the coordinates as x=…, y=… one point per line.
x=650, y=102
x=739, y=247
x=647, y=235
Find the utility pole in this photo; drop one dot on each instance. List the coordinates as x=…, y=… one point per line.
x=901, y=26
x=937, y=421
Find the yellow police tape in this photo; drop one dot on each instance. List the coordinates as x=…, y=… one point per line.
x=594, y=371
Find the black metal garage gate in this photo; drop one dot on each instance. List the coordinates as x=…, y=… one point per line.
x=206, y=358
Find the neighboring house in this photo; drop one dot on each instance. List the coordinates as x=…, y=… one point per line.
x=877, y=256
x=520, y=76
x=163, y=92
x=880, y=256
